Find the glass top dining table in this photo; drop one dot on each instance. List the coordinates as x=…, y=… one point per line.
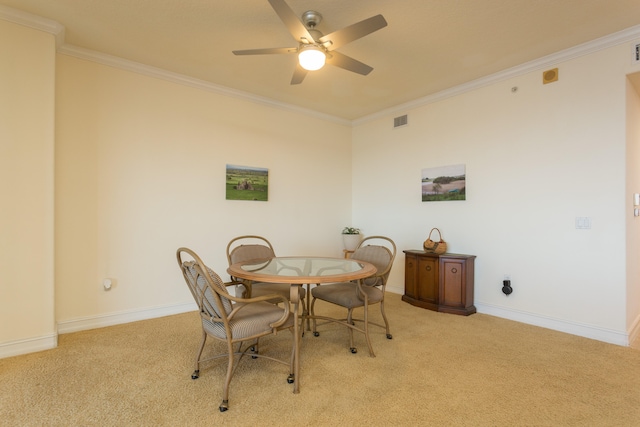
x=302, y=270
x=299, y=271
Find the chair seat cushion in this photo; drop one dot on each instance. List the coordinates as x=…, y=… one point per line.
x=251, y=320
x=259, y=289
x=346, y=294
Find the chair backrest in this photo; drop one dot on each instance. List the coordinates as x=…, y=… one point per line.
x=379, y=255
x=238, y=251
x=205, y=285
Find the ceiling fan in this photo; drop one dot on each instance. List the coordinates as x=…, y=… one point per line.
x=314, y=49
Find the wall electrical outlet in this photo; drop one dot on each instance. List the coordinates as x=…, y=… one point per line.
x=506, y=287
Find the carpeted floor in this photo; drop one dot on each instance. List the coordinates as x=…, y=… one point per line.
x=439, y=370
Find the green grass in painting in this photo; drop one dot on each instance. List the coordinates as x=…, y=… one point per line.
x=443, y=197
x=258, y=181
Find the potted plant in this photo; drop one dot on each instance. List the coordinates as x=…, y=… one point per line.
x=351, y=238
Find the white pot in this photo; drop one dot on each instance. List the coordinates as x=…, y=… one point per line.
x=351, y=241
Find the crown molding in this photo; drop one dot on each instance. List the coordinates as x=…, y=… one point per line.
x=136, y=67
x=33, y=21
x=58, y=30
x=624, y=36
x=55, y=28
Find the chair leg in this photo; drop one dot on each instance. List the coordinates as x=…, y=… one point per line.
x=255, y=348
x=196, y=372
x=291, y=377
x=305, y=309
x=352, y=347
x=386, y=322
x=225, y=390
x=313, y=316
x=366, y=329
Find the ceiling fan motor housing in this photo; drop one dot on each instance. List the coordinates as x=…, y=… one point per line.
x=311, y=19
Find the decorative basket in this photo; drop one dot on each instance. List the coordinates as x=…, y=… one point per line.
x=433, y=247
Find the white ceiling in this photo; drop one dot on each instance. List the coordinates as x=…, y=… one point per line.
x=428, y=46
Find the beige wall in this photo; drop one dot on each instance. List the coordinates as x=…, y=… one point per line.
x=27, y=60
x=633, y=222
x=535, y=159
x=141, y=171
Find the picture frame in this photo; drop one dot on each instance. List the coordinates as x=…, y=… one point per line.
x=247, y=183
x=444, y=183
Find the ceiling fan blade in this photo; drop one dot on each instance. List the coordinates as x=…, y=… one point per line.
x=343, y=61
x=298, y=75
x=265, y=51
x=353, y=32
x=291, y=21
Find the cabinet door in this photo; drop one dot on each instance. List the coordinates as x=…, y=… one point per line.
x=428, y=279
x=452, y=286
x=410, y=283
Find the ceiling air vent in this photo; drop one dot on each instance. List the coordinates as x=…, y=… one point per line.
x=400, y=121
x=636, y=53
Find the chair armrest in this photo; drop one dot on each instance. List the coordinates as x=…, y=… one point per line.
x=233, y=283
x=362, y=295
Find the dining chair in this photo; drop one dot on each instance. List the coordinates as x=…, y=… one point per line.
x=233, y=320
x=360, y=293
x=249, y=247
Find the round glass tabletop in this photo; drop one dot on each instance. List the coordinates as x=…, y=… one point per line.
x=302, y=270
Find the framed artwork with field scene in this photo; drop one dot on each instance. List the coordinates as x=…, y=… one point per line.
x=444, y=183
x=247, y=183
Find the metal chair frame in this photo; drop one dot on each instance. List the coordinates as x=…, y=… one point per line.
x=222, y=313
x=360, y=297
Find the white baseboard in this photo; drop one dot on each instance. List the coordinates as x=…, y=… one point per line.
x=47, y=342
x=634, y=333
x=93, y=322
x=574, y=328
x=31, y=345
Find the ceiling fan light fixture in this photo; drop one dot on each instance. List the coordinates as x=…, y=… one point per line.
x=311, y=57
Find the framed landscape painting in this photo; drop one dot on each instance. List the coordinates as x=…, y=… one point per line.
x=444, y=183
x=247, y=183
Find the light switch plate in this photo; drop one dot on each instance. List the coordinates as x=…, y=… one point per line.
x=583, y=222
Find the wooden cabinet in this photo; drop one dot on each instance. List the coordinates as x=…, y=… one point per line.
x=439, y=282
